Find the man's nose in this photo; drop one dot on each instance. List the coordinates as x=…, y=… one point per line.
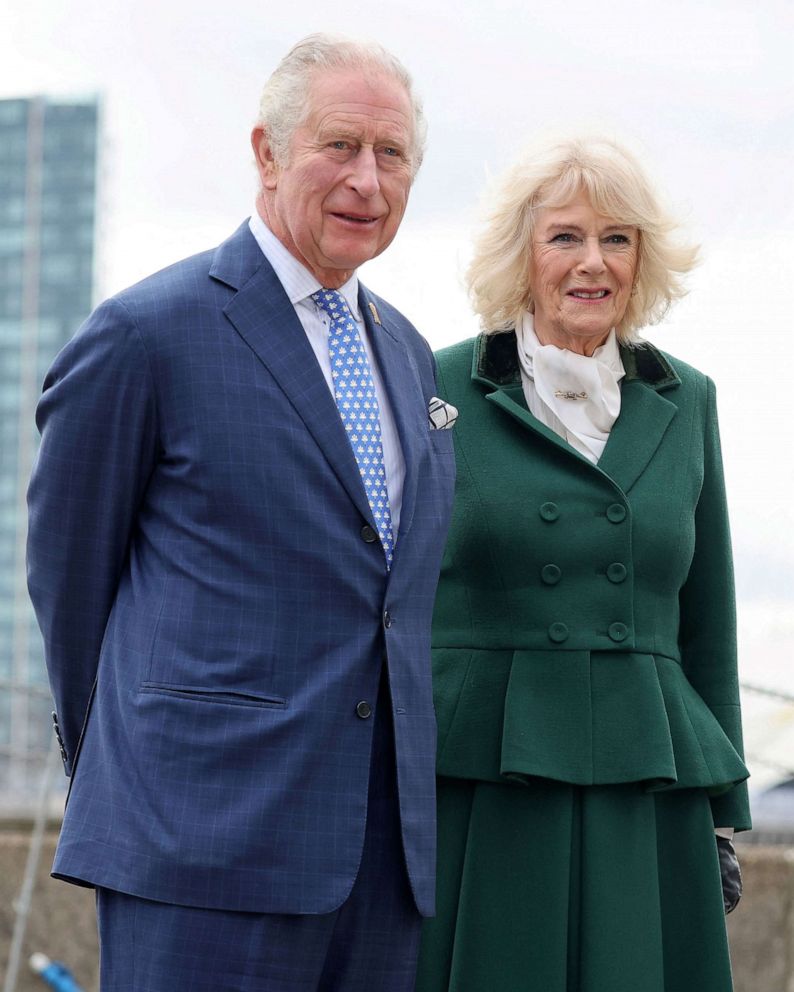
x=363, y=175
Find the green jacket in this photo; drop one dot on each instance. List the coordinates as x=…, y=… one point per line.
x=585, y=623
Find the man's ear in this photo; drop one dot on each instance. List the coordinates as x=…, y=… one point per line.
x=265, y=163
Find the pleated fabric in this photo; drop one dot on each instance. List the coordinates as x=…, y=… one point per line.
x=554, y=887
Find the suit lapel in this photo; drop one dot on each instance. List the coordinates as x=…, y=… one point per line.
x=405, y=396
x=264, y=317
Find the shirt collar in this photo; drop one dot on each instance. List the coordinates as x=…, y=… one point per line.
x=298, y=282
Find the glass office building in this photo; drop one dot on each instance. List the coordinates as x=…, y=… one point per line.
x=48, y=183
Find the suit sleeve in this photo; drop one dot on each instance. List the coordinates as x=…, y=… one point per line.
x=98, y=422
x=708, y=615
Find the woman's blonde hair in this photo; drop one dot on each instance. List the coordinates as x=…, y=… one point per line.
x=498, y=276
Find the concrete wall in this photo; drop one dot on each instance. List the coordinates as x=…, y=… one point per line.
x=761, y=928
x=63, y=925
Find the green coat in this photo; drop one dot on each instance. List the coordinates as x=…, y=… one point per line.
x=585, y=624
x=584, y=659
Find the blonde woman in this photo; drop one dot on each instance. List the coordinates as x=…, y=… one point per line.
x=584, y=636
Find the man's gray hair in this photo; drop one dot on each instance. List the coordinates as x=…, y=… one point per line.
x=283, y=106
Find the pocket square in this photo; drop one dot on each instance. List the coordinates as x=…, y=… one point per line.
x=442, y=415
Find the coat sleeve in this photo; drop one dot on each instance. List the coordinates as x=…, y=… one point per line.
x=98, y=423
x=708, y=615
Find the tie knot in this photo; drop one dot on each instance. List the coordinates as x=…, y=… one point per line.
x=332, y=301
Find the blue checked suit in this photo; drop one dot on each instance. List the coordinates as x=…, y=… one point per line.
x=213, y=604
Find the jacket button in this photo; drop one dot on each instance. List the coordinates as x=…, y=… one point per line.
x=616, y=572
x=616, y=513
x=618, y=631
x=363, y=710
x=549, y=512
x=551, y=574
x=369, y=534
x=558, y=633
x=388, y=619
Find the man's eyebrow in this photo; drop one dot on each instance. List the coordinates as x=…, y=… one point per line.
x=345, y=132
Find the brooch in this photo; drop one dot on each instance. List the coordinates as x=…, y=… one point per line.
x=566, y=394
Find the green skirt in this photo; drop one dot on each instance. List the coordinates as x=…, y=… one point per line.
x=551, y=887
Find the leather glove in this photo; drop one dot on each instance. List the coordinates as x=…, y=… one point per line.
x=731, y=874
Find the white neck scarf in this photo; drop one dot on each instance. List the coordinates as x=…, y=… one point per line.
x=576, y=396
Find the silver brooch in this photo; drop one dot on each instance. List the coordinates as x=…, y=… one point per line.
x=566, y=394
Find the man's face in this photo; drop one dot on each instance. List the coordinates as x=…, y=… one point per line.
x=340, y=199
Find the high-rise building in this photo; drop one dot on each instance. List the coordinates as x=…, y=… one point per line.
x=48, y=185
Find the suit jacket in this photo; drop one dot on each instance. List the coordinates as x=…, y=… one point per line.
x=213, y=603
x=585, y=623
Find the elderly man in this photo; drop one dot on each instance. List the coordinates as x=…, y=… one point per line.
x=236, y=524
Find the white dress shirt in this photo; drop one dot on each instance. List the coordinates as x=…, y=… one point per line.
x=299, y=284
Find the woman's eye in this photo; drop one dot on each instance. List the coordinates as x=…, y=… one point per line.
x=618, y=239
x=564, y=238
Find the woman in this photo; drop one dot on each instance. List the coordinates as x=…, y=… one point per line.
x=584, y=639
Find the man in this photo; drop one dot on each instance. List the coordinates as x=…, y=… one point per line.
x=236, y=523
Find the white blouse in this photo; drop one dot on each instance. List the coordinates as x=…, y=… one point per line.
x=576, y=396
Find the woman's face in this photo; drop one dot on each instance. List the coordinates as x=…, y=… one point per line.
x=581, y=271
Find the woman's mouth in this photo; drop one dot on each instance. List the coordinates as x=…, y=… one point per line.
x=589, y=294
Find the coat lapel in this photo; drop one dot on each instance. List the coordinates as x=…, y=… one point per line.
x=644, y=416
x=637, y=433
x=263, y=316
x=511, y=400
x=405, y=396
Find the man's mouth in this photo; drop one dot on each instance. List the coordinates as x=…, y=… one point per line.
x=356, y=218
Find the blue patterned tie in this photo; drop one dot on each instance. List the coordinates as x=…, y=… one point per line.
x=358, y=407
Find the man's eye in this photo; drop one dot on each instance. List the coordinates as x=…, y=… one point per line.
x=391, y=152
x=339, y=145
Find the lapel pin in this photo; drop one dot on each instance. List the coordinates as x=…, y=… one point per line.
x=374, y=311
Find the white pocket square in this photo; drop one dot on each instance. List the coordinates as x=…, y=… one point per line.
x=442, y=415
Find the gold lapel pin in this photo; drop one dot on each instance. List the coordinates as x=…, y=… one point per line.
x=374, y=311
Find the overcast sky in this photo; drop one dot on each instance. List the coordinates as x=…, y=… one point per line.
x=704, y=93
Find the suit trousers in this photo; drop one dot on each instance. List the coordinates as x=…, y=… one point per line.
x=370, y=942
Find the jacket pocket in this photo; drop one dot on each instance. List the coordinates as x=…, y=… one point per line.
x=200, y=694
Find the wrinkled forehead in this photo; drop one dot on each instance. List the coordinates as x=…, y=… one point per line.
x=603, y=191
x=367, y=95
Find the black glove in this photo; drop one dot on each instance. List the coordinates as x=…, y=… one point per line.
x=731, y=874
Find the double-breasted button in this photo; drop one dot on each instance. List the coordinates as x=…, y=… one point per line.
x=369, y=534
x=388, y=619
x=549, y=512
x=618, y=631
x=558, y=633
x=551, y=574
x=616, y=513
x=617, y=572
x=363, y=710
